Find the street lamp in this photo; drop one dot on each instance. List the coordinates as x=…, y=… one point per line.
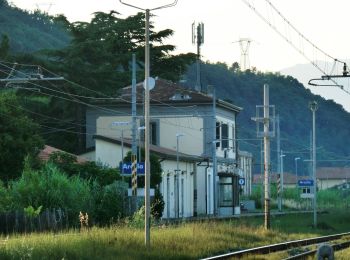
x=147, y=129
x=121, y=123
x=313, y=107
x=296, y=169
x=282, y=181
x=177, y=198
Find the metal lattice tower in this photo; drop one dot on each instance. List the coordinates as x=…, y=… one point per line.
x=198, y=39
x=244, y=44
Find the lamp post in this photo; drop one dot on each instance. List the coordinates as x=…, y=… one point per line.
x=147, y=129
x=282, y=181
x=313, y=107
x=177, y=197
x=296, y=169
x=121, y=123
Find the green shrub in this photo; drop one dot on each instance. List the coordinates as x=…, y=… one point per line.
x=5, y=198
x=91, y=171
x=158, y=204
x=51, y=188
x=110, y=202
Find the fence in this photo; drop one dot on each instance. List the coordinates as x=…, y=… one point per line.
x=18, y=222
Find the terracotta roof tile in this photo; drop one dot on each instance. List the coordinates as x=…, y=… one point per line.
x=45, y=153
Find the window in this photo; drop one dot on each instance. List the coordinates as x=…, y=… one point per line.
x=226, y=192
x=233, y=138
x=218, y=136
x=224, y=136
x=153, y=133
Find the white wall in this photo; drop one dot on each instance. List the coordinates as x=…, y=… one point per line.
x=186, y=189
x=191, y=142
x=109, y=153
x=105, y=128
x=245, y=163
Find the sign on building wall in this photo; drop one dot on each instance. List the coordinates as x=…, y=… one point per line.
x=126, y=170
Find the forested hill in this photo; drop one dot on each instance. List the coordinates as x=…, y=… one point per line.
x=291, y=100
x=28, y=32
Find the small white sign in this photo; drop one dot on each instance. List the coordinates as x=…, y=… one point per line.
x=151, y=83
x=307, y=195
x=140, y=192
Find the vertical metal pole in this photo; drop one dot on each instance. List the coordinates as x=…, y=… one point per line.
x=267, y=156
x=279, y=157
x=282, y=179
x=133, y=105
x=177, y=178
x=147, y=136
x=122, y=153
x=215, y=206
x=314, y=165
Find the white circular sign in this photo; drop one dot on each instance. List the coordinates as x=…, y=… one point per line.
x=151, y=83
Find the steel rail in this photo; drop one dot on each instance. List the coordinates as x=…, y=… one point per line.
x=279, y=246
x=336, y=247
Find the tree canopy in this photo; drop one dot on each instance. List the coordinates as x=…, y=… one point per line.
x=19, y=137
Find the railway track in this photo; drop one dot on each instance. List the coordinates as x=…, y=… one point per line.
x=285, y=246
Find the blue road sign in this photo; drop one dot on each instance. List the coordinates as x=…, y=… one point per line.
x=305, y=183
x=241, y=181
x=127, y=168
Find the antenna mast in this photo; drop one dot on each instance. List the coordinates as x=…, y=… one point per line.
x=198, y=38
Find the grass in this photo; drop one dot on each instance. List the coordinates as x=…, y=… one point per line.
x=185, y=241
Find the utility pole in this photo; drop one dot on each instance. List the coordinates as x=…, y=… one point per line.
x=313, y=107
x=267, y=155
x=177, y=193
x=147, y=119
x=282, y=182
x=133, y=105
x=278, y=158
x=266, y=121
x=214, y=155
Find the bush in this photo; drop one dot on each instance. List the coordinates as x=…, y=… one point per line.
x=91, y=171
x=5, y=198
x=110, y=201
x=157, y=206
x=51, y=188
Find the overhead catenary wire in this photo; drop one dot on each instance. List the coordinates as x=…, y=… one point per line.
x=291, y=43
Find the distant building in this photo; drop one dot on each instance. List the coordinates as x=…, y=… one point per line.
x=203, y=128
x=328, y=177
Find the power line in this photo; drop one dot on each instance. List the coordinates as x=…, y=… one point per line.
x=301, y=36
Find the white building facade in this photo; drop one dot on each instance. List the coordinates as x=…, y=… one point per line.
x=204, y=133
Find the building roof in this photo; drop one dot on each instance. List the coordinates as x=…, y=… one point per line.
x=45, y=153
x=164, y=153
x=333, y=173
x=170, y=93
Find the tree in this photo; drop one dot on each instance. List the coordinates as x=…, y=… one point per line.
x=4, y=46
x=18, y=137
x=100, y=52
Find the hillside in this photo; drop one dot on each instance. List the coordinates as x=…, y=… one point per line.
x=291, y=100
x=29, y=32
x=305, y=72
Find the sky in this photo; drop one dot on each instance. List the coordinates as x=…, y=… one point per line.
x=323, y=22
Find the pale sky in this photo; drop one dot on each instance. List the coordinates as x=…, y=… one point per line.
x=323, y=22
